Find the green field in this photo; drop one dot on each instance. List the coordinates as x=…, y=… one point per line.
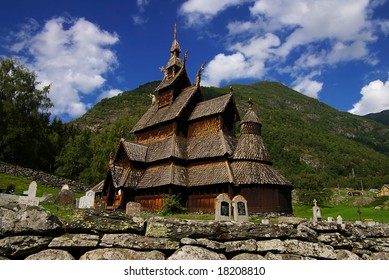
x=348, y=213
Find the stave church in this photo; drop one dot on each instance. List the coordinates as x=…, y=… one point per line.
x=187, y=145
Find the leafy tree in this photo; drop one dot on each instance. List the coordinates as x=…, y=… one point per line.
x=24, y=116
x=310, y=187
x=76, y=157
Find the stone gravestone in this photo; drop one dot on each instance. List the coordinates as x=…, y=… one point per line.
x=31, y=192
x=222, y=207
x=339, y=220
x=65, y=187
x=316, y=212
x=88, y=200
x=239, y=206
x=133, y=209
x=65, y=198
x=31, y=198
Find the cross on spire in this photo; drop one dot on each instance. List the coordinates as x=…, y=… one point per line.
x=251, y=103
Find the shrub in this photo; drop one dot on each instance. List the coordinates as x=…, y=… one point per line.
x=171, y=205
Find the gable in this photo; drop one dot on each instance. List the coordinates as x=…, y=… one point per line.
x=155, y=116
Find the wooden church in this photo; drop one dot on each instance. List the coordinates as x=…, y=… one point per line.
x=187, y=145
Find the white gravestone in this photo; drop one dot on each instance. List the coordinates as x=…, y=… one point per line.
x=316, y=212
x=31, y=192
x=339, y=220
x=87, y=201
x=222, y=207
x=31, y=198
x=239, y=206
x=65, y=187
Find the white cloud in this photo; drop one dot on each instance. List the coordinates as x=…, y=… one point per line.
x=247, y=61
x=197, y=12
x=375, y=98
x=307, y=86
x=139, y=18
x=142, y=4
x=109, y=93
x=73, y=57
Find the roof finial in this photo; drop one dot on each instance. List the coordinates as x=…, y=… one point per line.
x=251, y=103
x=185, y=57
x=198, y=76
x=175, y=31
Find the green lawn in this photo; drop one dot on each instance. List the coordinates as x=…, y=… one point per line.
x=348, y=213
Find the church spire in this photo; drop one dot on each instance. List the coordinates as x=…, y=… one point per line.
x=175, y=48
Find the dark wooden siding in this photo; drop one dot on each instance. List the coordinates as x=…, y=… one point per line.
x=202, y=199
x=165, y=98
x=267, y=199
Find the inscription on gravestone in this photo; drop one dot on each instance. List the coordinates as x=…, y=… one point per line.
x=239, y=206
x=222, y=207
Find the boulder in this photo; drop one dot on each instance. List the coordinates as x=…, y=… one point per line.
x=239, y=246
x=98, y=221
x=16, y=219
x=51, y=254
x=210, y=244
x=346, y=255
x=133, y=241
x=271, y=256
x=189, y=252
x=121, y=254
x=380, y=256
x=273, y=245
x=248, y=256
x=22, y=246
x=305, y=233
x=335, y=240
x=309, y=249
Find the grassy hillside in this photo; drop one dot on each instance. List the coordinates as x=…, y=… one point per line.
x=303, y=135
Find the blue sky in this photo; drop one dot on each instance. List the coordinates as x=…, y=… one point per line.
x=335, y=51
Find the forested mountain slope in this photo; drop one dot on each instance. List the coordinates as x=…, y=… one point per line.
x=306, y=138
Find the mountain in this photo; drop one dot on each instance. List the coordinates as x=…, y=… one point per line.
x=303, y=135
x=382, y=117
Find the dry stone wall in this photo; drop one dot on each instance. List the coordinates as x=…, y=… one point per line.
x=30, y=232
x=42, y=177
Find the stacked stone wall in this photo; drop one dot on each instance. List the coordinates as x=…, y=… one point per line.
x=42, y=177
x=30, y=232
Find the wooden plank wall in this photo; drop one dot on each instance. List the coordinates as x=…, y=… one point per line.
x=204, y=127
x=161, y=132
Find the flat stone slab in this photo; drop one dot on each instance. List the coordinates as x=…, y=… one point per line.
x=133, y=241
x=121, y=254
x=75, y=240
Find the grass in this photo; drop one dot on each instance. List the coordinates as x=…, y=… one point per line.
x=348, y=213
